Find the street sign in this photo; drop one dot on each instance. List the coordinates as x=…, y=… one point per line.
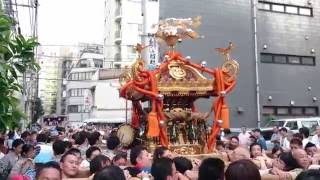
x=87, y=97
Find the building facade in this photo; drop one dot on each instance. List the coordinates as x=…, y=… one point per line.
x=67, y=56
x=276, y=44
x=80, y=79
x=48, y=79
x=123, y=30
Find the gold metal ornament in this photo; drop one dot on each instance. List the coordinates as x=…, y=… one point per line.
x=176, y=71
x=232, y=68
x=226, y=51
x=136, y=68
x=125, y=77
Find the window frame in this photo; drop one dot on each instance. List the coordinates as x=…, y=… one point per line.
x=287, y=56
x=271, y=4
x=290, y=111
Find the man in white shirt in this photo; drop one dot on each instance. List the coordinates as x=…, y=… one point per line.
x=316, y=138
x=244, y=136
x=275, y=138
x=305, y=133
x=284, y=143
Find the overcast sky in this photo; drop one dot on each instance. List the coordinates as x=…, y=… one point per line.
x=65, y=22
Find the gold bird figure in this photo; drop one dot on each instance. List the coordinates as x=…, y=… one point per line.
x=139, y=48
x=226, y=51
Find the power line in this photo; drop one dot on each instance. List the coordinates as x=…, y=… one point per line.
x=67, y=58
x=74, y=45
x=61, y=79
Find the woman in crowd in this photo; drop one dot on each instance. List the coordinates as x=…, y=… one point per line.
x=25, y=163
x=161, y=152
x=276, y=151
x=259, y=158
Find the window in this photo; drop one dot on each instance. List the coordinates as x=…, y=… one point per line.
x=280, y=59
x=83, y=64
x=308, y=61
x=291, y=110
x=78, y=92
x=311, y=125
x=268, y=110
x=277, y=8
x=275, y=123
x=311, y=111
x=287, y=59
x=297, y=111
x=266, y=58
x=285, y=8
x=293, y=60
x=81, y=76
x=292, y=125
x=98, y=63
x=88, y=75
x=75, y=109
x=282, y=110
x=305, y=11
x=265, y=6
x=291, y=9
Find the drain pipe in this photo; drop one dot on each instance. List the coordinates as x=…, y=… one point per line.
x=254, y=18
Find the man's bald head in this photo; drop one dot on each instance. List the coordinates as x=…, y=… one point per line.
x=239, y=153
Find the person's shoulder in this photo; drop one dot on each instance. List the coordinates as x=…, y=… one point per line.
x=315, y=137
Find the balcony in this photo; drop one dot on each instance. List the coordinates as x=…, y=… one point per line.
x=118, y=14
x=117, y=57
x=117, y=36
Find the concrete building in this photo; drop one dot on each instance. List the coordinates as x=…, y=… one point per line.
x=48, y=79
x=80, y=79
x=276, y=44
x=123, y=30
x=67, y=56
x=108, y=107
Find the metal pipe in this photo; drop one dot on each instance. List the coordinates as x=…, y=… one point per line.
x=254, y=13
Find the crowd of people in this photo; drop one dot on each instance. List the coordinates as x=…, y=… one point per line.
x=83, y=154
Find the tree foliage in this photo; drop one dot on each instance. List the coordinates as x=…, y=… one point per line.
x=16, y=58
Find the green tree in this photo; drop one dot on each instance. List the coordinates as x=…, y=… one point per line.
x=37, y=110
x=16, y=58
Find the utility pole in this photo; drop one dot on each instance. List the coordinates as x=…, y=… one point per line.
x=30, y=88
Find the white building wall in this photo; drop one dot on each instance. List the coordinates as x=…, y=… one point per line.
x=107, y=103
x=129, y=23
x=76, y=118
